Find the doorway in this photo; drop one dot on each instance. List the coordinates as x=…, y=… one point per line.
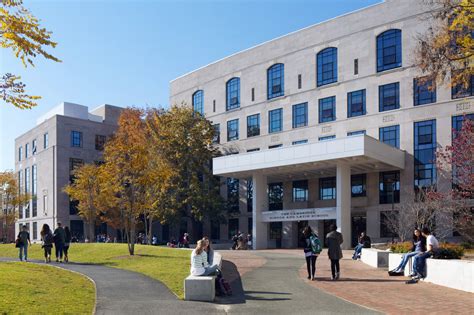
x=359, y=225
x=301, y=240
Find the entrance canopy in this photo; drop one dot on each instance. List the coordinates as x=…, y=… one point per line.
x=362, y=153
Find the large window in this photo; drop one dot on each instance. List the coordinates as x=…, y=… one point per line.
x=275, y=196
x=327, y=66
x=425, y=153
x=389, y=50
x=300, y=190
x=355, y=133
x=275, y=81
x=100, y=142
x=45, y=140
x=300, y=115
x=233, y=194
x=253, y=125
x=275, y=120
x=233, y=130
x=460, y=91
x=385, y=226
x=35, y=230
x=233, y=93
x=73, y=165
x=20, y=153
x=20, y=186
x=34, y=190
x=424, y=91
x=356, y=103
x=326, y=138
x=233, y=227
x=389, y=96
x=456, y=127
x=327, y=109
x=249, y=195
x=358, y=185
x=217, y=133
x=27, y=149
x=389, y=187
x=76, y=139
x=198, y=101
x=390, y=135
x=27, y=190
x=327, y=188
x=276, y=229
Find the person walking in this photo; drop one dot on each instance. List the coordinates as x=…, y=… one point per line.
x=67, y=243
x=333, y=241
x=59, y=240
x=47, y=239
x=23, y=242
x=311, y=250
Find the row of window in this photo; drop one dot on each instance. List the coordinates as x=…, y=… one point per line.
x=34, y=145
x=35, y=233
x=76, y=140
x=25, y=188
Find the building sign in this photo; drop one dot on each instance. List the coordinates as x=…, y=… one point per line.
x=299, y=215
x=388, y=118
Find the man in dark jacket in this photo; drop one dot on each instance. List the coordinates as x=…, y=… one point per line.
x=333, y=241
x=59, y=240
x=364, y=242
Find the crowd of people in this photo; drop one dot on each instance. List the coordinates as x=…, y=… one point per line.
x=240, y=241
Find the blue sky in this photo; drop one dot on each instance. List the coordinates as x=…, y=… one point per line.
x=125, y=52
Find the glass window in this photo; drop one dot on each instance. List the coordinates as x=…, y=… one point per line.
x=275, y=119
x=233, y=93
x=233, y=227
x=385, y=230
x=253, y=150
x=27, y=147
x=215, y=230
x=299, y=81
x=300, y=142
x=424, y=91
x=45, y=140
x=233, y=130
x=326, y=61
x=425, y=153
x=358, y=186
x=389, y=50
x=275, y=196
x=300, y=190
x=276, y=229
x=456, y=127
x=249, y=195
x=76, y=139
x=34, y=189
x=326, y=138
x=327, y=188
x=233, y=194
x=253, y=94
x=35, y=230
x=389, y=97
x=327, y=109
x=300, y=115
x=20, y=153
x=217, y=133
x=20, y=187
x=275, y=146
x=390, y=135
x=250, y=225
x=460, y=91
x=253, y=125
x=198, y=101
x=73, y=165
x=275, y=81
x=389, y=187
x=356, y=103
x=100, y=142
x=355, y=133
x=356, y=66
x=27, y=190
x=34, y=146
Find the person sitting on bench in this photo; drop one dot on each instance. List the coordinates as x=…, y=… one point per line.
x=419, y=262
x=364, y=242
x=419, y=246
x=199, y=264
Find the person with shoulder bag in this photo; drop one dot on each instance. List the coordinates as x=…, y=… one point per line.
x=67, y=243
x=311, y=250
x=47, y=240
x=22, y=242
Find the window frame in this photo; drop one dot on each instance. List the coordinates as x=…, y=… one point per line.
x=385, y=130
x=232, y=92
x=327, y=183
x=253, y=125
x=300, y=115
x=385, y=88
x=322, y=102
x=76, y=135
x=234, y=122
x=198, y=101
x=271, y=122
x=326, y=62
x=389, y=40
x=421, y=91
x=275, y=73
x=350, y=104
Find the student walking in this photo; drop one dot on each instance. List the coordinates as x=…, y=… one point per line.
x=59, y=240
x=47, y=240
x=67, y=243
x=334, y=240
x=23, y=240
x=311, y=250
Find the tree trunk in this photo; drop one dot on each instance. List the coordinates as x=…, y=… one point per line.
x=150, y=230
x=146, y=225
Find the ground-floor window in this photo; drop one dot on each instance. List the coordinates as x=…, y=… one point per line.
x=389, y=187
x=77, y=229
x=215, y=230
x=275, y=230
x=327, y=188
x=387, y=219
x=233, y=227
x=358, y=185
x=300, y=190
x=250, y=225
x=275, y=196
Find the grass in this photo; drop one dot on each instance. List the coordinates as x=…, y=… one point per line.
x=168, y=265
x=36, y=289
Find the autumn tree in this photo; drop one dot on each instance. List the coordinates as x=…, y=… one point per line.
x=446, y=50
x=22, y=33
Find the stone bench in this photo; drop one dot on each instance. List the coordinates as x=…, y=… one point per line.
x=202, y=288
x=452, y=273
x=374, y=257
x=394, y=259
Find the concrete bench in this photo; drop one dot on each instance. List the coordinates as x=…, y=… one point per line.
x=394, y=259
x=452, y=273
x=374, y=257
x=202, y=288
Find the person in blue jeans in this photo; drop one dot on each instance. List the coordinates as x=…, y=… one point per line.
x=419, y=261
x=364, y=242
x=419, y=246
x=24, y=237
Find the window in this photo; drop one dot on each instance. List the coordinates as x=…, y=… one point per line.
x=73, y=164
x=253, y=150
x=300, y=190
x=100, y=142
x=385, y=230
x=424, y=91
x=45, y=204
x=326, y=138
x=233, y=194
x=233, y=227
x=389, y=50
x=460, y=91
x=217, y=133
x=27, y=190
x=300, y=142
x=27, y=146
x=327, y=109
x=20, y=153
x=458, y=121
x=249, y=195
x=275, y=81
x=253, y=125
x=35, y=230
x=34, y=147
x=198, y=101
x=233, y=130
x=326, y=61
x=275, y=118
x=358, y=185
x=390, y=135
x=233, y=93
x=356, y=103
x=356, y=66
x=456, y=127
x=213, y=106
x=425, y=153
x=253, y=94
x=275, y=146
x=299, y=81
x=34, y=189
x=327, y=188
x=355, y=133
x=275, y=196
x=45, y=140
x=76, y=139
x=389, y=187
x=300, y=115
x=275, y=230
x=389, y=97
x=73, y=207
x=250, y=225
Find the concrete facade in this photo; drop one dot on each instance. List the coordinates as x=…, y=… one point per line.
x=53, y=161
x=355, y=37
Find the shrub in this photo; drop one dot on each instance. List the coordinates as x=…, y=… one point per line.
x=404, y=247
x=449, y=251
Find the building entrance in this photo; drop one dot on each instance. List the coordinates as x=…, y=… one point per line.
x=359, y=225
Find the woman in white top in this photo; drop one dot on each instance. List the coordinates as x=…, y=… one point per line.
x=199, y=264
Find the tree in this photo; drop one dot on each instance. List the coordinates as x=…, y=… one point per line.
x=21, y=32
x=446, y=50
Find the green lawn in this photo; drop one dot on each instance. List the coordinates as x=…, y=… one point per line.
x=170, y=266
x=36, y=289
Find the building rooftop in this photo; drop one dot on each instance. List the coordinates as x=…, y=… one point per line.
x=99, y=114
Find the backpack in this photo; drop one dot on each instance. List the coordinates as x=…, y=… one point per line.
x=315, y=244
x=223, y=287
x=48, y=239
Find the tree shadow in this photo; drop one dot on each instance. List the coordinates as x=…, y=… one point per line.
x=327, y=279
